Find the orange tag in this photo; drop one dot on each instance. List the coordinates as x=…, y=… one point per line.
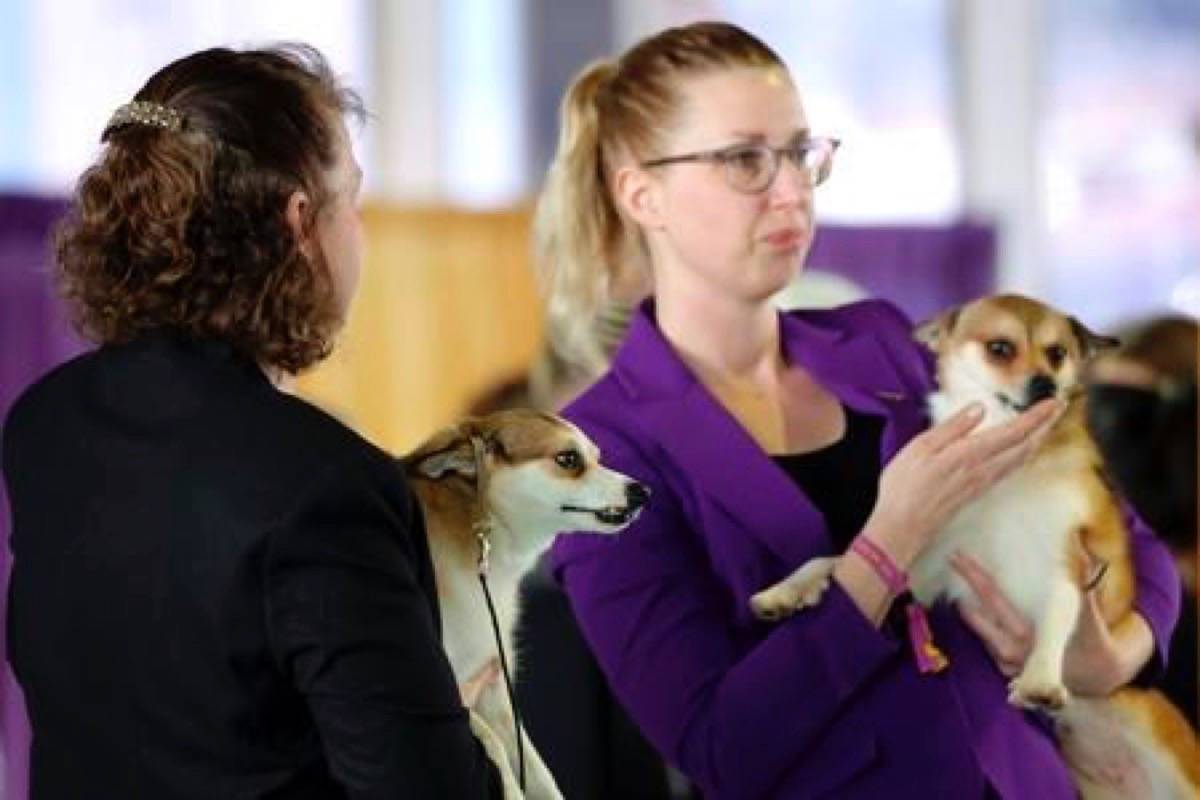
x=929, y=658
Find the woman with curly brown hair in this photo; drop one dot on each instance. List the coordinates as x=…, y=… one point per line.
x=218, y=590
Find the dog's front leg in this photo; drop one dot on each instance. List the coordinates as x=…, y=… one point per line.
x=539, y=782
x=1040, y=682
x=494, y=748
x=494, y=706
x=802, y=588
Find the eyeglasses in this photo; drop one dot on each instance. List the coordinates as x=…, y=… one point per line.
x=751, y=168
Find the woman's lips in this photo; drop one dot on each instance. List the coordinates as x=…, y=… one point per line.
x=787, y=239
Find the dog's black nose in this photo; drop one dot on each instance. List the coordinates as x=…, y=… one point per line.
x=1040, y=387
x=636, y=495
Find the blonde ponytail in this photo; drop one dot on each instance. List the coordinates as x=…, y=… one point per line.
x=577, y=229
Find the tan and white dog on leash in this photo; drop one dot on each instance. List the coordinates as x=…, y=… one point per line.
x=1039, y=532
x=495, y=490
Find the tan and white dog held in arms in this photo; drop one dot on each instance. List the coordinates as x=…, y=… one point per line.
x=1038, y=532
x=516, y=478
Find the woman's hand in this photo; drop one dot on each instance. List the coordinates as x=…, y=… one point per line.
x=473, y=688
x=1097, y=660
x=1004, y=630
x=929, y=480
x=946, y=467
x=1100, y=660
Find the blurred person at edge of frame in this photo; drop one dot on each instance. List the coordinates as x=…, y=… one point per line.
x=1142, y=410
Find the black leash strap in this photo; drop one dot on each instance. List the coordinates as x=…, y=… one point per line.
x=482, y=532
x=512, y=697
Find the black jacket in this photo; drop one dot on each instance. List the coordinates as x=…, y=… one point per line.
x=219, y=591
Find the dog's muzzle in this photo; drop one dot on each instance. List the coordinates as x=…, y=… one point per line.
x=636, y=495
x=1040, y=387
x=1037, y=389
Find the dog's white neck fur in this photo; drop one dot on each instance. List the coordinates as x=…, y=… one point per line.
x=466, y=630
x=511, y=556
x=969, y=385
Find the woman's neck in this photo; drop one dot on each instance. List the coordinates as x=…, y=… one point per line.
x=280, y=378
x=724, y=340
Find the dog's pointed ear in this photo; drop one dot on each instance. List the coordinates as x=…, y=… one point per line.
x=448, y=451
x=1090, y=342
x=458, y=459
x=932, y=332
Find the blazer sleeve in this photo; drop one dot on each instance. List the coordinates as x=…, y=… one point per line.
x=1159, y=590
x=1158, y=584
x=353, y=629
x=661, y=627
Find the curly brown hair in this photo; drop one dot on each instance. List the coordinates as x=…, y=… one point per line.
x=185, y=227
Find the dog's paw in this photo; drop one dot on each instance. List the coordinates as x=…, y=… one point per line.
x=784, y=599
x=775, y=603
x=801, y=589
x=811, y=593
x=1031, y=692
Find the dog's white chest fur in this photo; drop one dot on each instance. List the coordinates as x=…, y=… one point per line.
x=1019, y=530
x=467, y=634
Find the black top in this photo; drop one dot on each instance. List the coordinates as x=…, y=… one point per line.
x=841, y=480
x=220, y=591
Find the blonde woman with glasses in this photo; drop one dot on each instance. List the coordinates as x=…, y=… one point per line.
x=769, y=439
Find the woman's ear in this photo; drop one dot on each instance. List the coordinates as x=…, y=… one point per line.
x=298, y=209
x=638, y=196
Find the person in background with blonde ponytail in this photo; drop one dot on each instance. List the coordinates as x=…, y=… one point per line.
x=688, y=165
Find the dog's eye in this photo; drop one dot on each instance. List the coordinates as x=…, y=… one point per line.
x=1056, y=354
x=1001, y=349
x=569, y=460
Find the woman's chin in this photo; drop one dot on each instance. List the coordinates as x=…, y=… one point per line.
x=776, y=275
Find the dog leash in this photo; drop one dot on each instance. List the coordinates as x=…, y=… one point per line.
x=483, y=534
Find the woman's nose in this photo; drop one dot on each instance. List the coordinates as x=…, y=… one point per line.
x=792, y=184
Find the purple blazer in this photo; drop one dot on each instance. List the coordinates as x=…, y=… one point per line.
x=822, y=704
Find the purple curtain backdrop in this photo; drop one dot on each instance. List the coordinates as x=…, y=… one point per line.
x=922, y=269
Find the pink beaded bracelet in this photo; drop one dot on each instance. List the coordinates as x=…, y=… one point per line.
x=891, y=575
x=929, y=658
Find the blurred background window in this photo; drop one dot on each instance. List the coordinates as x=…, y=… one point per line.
x=67, y=64
x=466, y=95
x=1121, y=177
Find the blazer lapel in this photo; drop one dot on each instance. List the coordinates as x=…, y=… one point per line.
x=718, y=456
x=855, y=366
x=722, y=460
